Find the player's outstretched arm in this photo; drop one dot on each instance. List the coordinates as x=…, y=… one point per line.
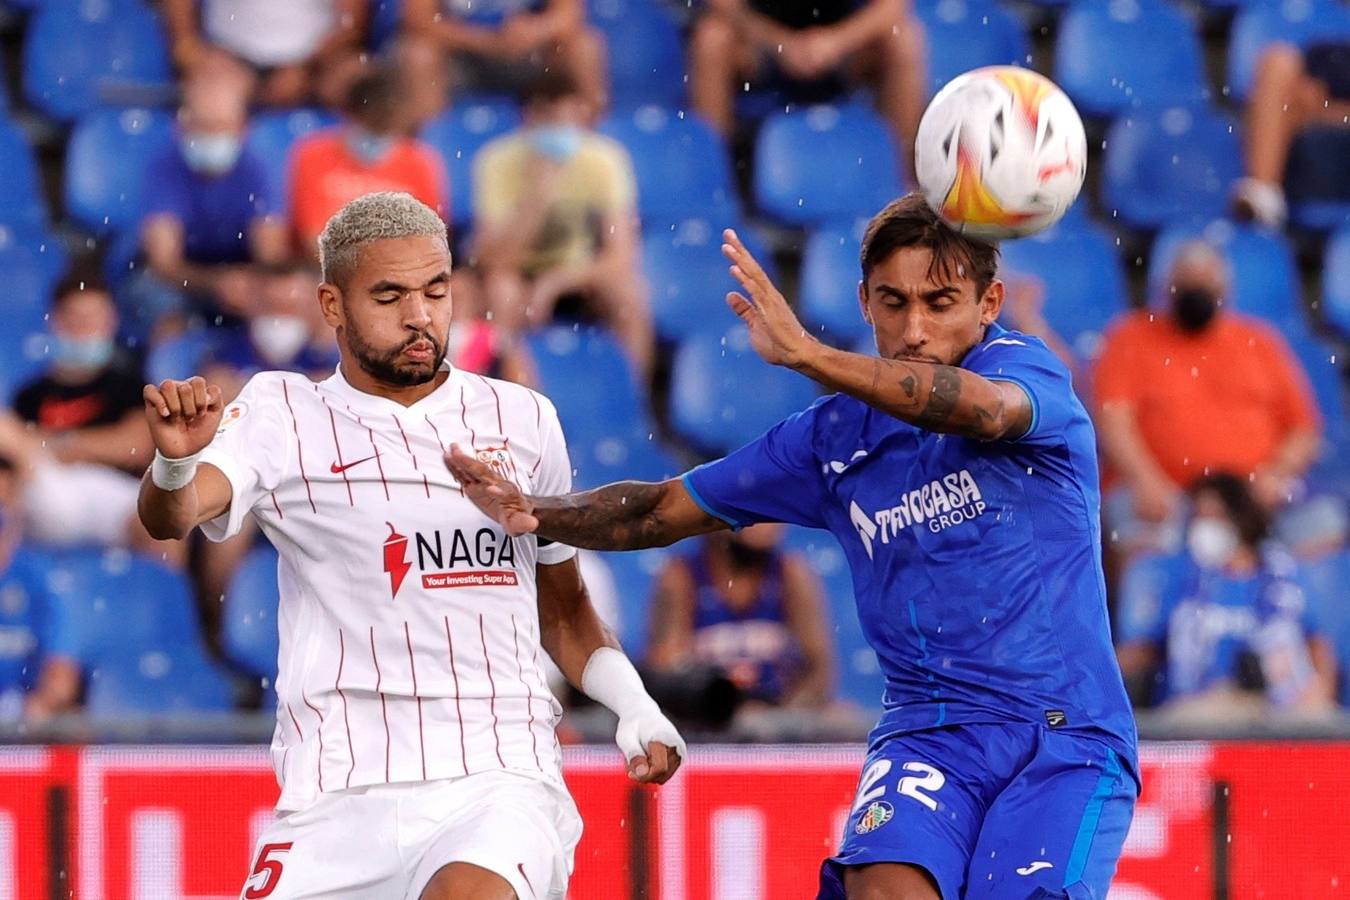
x=935, y=397
x=626, y=515
x=589, y=655
x=176, y=494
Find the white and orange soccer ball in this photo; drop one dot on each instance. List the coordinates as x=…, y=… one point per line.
x=1000, y=153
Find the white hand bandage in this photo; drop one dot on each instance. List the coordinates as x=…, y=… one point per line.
x=610, y=679
x=173, y=474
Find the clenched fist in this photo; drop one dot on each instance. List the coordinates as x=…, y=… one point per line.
x=183, y=415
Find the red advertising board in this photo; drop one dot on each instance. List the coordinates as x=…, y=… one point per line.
x=1267, y=820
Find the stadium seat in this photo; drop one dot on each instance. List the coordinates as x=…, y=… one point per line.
x=646, y=56
x=32, y=261
x=860, y=679
x=1114, y=55
x=688, y=277
x=1324, y=580
x=681, y=166
x=1084, y=283
x=1315, y=180
x=966, y=34
x=825, y=163
x=79, y=54
x=20, y=184
x=457, y=134
x=828, y=290
x=1264, y=274
x=170, y=679
x=178, y=357
x=634, y=573
x=722, y=395
x=273, y=132
x=1167, y=164
x=1263, y=22
x=1325, y=367
x=106, y=161
x=249, y=617
x=1336, y=282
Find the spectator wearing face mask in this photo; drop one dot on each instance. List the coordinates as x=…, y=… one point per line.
x=555, y=205
x=1221, y=626
x=1199, y=388
x=368, y=152
x=210, y=211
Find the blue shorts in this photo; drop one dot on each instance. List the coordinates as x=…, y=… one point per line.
x=991, y=812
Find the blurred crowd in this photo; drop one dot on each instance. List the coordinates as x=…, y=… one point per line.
x=584, y=176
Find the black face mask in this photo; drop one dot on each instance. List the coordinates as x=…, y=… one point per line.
x=1194, y=308
x=744, y=556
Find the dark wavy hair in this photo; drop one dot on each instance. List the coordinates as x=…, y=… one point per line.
x=1247, y=515
x=911, y=222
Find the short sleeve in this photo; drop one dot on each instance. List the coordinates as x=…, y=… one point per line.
x=1029, y=364
x=774, y=478
x=554, y=477
x=251, y=448
x=1142, y=611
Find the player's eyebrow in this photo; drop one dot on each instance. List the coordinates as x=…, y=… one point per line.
x=949, y=290
x=386, y=285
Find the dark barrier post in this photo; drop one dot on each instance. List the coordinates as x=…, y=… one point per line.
x=1222, y=839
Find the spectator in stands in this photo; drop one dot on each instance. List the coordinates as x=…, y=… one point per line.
x=501, y=46
x=806, y=42
x=740, y=603
x=37, y=677
x=290, y=51
x=80, y=440
x=1294, y=90
x=1221, y=627
x=555, y=205
x=1200, y=388
x=210, y=210
x=370, y=151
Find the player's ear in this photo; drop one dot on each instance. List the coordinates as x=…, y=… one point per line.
x=330, y=302
x=862, y=301
x=991, y=303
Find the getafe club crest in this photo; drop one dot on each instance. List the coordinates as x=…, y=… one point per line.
x=876, y=815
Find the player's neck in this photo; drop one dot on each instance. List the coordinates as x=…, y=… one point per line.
x=404, y=395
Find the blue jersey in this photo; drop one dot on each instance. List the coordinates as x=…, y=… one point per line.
x=976, y=565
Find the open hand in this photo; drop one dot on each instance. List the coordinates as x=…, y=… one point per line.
x=499, y=499
x=775, y=332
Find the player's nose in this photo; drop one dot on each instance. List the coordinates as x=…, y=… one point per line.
x=415, y=311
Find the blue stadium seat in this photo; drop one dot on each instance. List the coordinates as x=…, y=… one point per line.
x=1084, y=283
x=966, y=34
x=1336, y=281
x=1324, y=580
x=457, y=135
x=273, y=132
x=1325, y=367
x=249, y=617
x=860, y=678
x=681, y=165
x=722, y=395
x=81, y=53
x=634, y=573
x=106, y=162
x=689, y=279
x=1315, y=184
x=828, y=290
x=1114, y=55
x=825, y=163
x=1262, y=22
x=178, y=357
x=646, y=56
x=1168, y=164
x=32, y=261
x=20, y=184
x=168, y=680
x=1264, y=273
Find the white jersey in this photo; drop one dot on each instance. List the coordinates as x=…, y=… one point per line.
x=408, y=620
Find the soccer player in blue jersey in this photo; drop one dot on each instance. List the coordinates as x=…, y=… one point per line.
x=958, y=471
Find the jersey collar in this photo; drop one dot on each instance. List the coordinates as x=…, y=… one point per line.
x=442, y=396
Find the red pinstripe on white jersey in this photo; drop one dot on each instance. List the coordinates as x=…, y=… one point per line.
x=379, y=547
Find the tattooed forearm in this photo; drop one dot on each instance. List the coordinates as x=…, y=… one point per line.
x=942, y=397
x=625, y=515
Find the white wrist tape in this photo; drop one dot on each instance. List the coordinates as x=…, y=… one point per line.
x=173, y=474
x=609, y=678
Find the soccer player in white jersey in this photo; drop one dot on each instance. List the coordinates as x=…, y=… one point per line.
x=415, y=742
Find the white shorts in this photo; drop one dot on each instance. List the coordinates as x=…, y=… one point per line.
x=388, y=840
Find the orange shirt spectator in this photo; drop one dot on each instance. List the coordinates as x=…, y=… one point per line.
x=326, y=174
x=1219, y=400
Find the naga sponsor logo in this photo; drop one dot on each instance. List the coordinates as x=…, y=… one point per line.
x=450, y=559
x=936, y=505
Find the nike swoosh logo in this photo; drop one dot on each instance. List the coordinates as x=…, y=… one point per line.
x=1035, y=867
x=339, y=469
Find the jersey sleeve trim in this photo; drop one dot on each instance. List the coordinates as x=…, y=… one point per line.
x=1031, y=397
x=553, y=553
x=227, y=524
x=688, y=482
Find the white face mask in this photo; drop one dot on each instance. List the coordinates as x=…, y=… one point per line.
x=1212, y=542
x=278, y=338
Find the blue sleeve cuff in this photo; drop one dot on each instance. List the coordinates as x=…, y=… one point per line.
x=703, y=504
x=1031, y=397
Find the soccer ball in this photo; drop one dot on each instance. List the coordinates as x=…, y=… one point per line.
x=1000, y=153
